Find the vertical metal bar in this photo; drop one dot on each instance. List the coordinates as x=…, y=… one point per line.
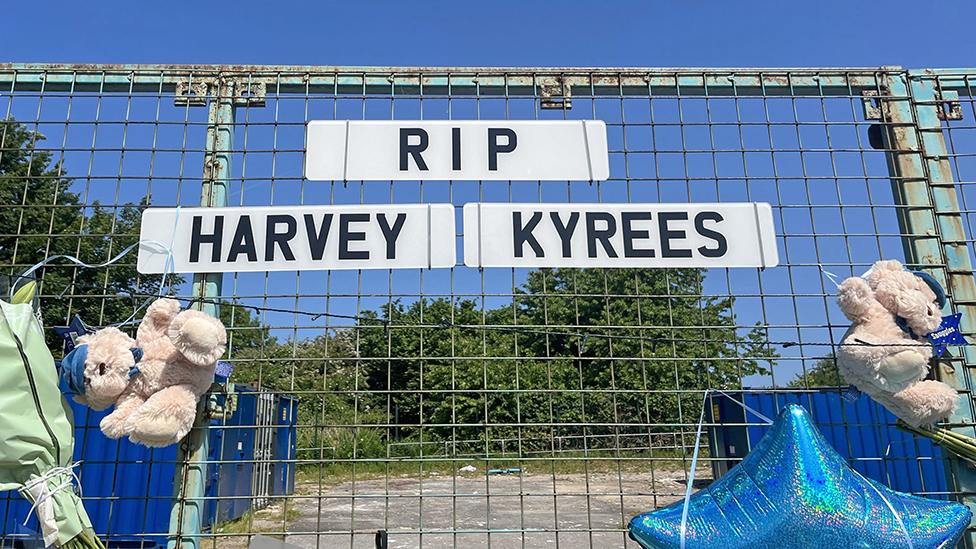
x=959, y=268
x=186, y=516
x=933, y=233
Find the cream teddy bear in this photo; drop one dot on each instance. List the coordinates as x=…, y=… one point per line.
x=155, y=380
x=98, y=370
x=885, y=353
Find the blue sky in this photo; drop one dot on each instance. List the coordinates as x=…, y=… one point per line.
x=655, y=34
x=741, y=33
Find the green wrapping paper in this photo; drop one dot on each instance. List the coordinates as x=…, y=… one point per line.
x=36, y=428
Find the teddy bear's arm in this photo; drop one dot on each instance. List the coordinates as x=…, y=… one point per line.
x=155, y=323
x=114, y=424
x=861, y=353
x=164, y=418
x=904, y=366
x=888, y=365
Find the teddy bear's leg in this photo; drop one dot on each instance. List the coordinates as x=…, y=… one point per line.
x=903, y=366
x=164, y=418
x=924, y=403
x=157, y=319
x=201, y=338
x=114, y=424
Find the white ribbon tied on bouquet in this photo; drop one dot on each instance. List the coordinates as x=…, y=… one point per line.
x=41, y=489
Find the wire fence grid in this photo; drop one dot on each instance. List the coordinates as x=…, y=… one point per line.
x=496, y=407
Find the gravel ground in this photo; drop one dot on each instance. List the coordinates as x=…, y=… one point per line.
x=521, y=511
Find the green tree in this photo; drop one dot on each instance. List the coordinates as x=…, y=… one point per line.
x=629, y=343
x=823, y=373
x=245, y=333
x=575, y=346
x=429, y=371
x=42, y=217
x=326, y=376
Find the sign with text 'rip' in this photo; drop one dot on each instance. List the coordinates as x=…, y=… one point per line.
x=619, y=235
x=457, y=149
x=288, y=238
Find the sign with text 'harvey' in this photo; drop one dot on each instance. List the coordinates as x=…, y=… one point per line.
x=619, y=235
x=288, y=238
x=457, y=149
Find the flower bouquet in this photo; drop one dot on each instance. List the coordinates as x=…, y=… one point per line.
x=36, y=428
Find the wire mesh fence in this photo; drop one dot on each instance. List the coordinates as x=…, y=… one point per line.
x=484, y=407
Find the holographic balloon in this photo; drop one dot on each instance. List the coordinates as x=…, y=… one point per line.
x=794, y=491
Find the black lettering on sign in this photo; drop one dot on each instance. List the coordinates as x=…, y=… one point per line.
x=494, y=147
x=455, y=149
x=629, y=234
x=668, y=234
x=243, y=241
x=274, y=238
x=602, y=235
x=345, y=237
x=391, y=233
x=721, y=245
x=565, y=231
x=522, y=234
x=197, y=238
x=317, y=239
x=408, y=150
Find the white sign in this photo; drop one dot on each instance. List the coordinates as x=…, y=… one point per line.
x=619, y=235
x=457, y=149
x=290, y=238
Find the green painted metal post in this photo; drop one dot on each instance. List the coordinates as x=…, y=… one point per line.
x=189, y=486
x=935, y=233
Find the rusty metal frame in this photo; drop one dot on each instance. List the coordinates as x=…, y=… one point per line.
x=439, y=80
x=912, y=115
x=910, y=106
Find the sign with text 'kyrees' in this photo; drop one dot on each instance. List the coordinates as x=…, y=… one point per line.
x=619, y=235
x=287, y=238
x=457, y=149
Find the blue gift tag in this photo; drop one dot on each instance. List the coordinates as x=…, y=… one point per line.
x=946, y=334
x=850, y=393
x=223, y=371
x=72, y=332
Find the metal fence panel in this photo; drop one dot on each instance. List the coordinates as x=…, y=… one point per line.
x=494, y=407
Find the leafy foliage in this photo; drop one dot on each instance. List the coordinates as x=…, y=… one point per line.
x=588, y=352
x=40, y=217
x=823, y=373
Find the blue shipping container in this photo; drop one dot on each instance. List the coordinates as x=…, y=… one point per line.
x=128, y=488
x=231, y=482
x=285, y=447
x=862, y=431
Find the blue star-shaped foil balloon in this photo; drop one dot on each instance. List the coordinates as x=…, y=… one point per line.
x=72, y=332
x=794, y=491
x=946, y=334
